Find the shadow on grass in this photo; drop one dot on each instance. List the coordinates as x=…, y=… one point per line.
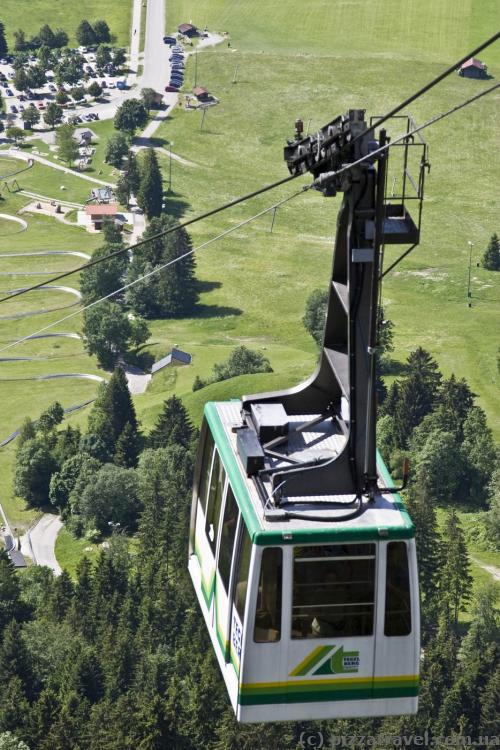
x=175, y=205
x=394, y=367
x=207, y=286
x=215, y=311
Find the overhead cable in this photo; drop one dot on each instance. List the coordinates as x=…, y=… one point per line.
x=156, y=270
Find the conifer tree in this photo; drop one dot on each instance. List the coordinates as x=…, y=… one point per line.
x=15, y=661
x=127, y=447
x=3, y=42
x=150, y=193
x=172, y=292
x=428, y=555
x=27, y=431
x=491, y=257
x=173, y=425
x=455, y=578
x=113, y=410
x=414, y=396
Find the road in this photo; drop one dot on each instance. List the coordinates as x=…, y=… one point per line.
x=39, y=542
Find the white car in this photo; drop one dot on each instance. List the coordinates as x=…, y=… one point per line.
x=111, y=85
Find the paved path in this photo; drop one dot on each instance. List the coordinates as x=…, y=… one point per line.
x=39, y=542
x=41, y=160
x=137, y=379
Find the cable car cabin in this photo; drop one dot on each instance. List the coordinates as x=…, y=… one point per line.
x=310, y=618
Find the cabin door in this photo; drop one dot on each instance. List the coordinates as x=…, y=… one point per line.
x=398, y=643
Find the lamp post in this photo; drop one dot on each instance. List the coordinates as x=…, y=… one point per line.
x=469, y=295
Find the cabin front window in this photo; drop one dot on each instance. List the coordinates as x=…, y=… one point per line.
x=333, y=591
x=215, y=494
x=228, y=533
x=397, y=591
x=268, y=612
x=240, y=594
x=206, y=465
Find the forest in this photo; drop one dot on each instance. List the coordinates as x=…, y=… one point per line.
x=119, y=657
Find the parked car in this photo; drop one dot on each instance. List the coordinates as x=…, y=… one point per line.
x=21, y=107
x=52, y=87
x=111, y=85
x=172, y=89
x=103, y=84
x=21, y=98
x=169, y=39
x=177, y=48
x=178, y=66
x=13, y=108
x=41, y=105
x=176, y=77
x=9, y=92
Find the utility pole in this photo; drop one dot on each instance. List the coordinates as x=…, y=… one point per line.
x=469, y=294
x=170, y=168
x=203, y=117
x=235, y=74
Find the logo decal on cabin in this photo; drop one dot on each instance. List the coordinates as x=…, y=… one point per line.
x=327, y=660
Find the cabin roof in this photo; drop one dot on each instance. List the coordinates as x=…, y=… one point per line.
x=385, y=517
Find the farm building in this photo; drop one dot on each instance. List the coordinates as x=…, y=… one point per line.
x=96, y=214
x=473, y=68
x=187, y=29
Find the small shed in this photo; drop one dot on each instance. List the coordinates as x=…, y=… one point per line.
x=473, y=68
x=176, y=357
x=97, y=213
x=201, y=94
x=187, y=29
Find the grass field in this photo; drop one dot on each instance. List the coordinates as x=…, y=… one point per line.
x=30, y=15
x=240, y=148
x=315, y=63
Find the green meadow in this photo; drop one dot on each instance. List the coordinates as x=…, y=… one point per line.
x=30, y=15
x=288, y=60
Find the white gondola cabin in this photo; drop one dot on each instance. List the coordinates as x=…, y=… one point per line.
x=308, y=619
x=302, y=554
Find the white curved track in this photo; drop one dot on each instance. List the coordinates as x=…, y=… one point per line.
x=42, y=311
x=17, y=220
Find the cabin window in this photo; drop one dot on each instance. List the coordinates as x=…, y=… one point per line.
x=215, y=493
x=333, y=591
x=397, y=591
x=206, y=465
x=228, y=534
x=240, y=594
x=268, y=611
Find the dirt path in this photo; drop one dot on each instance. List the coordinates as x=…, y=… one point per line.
x=491, y=569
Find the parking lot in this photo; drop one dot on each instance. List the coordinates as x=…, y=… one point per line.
x=83, y=110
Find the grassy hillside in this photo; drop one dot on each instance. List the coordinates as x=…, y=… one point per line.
x=294, y=65
x=30, y=15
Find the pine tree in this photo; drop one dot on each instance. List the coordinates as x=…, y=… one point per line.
x=3, y=43
x=455, y=401
x=455, y=578
x=127, y=447
x=15, y=661
x=490, y=706
x=150, y=193
x=491, y=257
x=62, y=596
x=414, y=396
x=11, y=606
x=133, y=173
x=117, y=403
x=478, y=454
x=429, y=558
x=173, y=426
x=172, y=292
